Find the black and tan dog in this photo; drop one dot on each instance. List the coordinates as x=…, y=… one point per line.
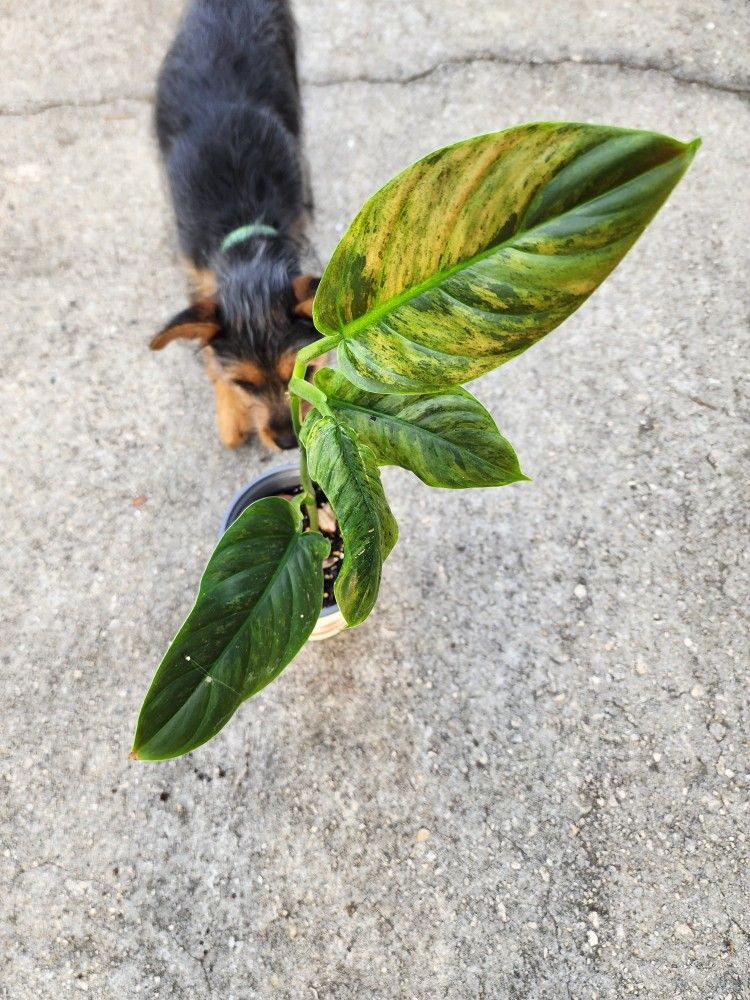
x=228, y=121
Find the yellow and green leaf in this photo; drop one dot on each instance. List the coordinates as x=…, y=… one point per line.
x=475, y=252
x=347, y=472
x=447, y=438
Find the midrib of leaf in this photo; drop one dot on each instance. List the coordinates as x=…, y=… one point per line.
x=373, y=316
x=337, y=404
x=366, y=499
x=268, y=589
x=234, y=575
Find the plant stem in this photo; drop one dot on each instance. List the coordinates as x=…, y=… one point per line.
x=309, y=503
x=310, y=393
x=313, y=350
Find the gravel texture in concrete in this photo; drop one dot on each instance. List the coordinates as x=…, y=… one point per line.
x=526, y=777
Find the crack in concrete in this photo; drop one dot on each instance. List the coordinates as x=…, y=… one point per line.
x=533, y=63
x=449, y=62
x=94, y=102
x=201, y=961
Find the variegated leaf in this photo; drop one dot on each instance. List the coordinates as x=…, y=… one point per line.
x=347, y=473
x=446, y=438
x=474, y=253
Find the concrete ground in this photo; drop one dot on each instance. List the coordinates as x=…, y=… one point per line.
x=526, y=777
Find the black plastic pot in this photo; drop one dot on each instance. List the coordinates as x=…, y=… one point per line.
x=282, y=480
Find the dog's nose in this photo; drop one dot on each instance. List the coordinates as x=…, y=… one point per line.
x=285, y=439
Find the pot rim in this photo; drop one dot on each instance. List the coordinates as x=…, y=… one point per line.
x=238, y=503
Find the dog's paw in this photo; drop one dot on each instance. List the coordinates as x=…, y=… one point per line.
x=231, y=438
x=232, y=416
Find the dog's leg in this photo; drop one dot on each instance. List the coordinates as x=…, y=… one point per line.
x=233, y=414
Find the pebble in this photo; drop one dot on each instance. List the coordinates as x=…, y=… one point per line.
x=580, y=591
x=683, y=930
x=641, y=668
x=697, y=692
x=326, y=520
x=422, y=835
x=593, y=939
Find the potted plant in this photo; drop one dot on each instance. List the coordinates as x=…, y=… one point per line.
x=457, y=265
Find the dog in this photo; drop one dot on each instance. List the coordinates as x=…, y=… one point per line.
x=228, y=123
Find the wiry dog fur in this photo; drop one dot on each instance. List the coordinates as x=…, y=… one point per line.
x=228, y=122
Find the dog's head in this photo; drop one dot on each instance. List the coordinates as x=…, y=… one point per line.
x=250, y=330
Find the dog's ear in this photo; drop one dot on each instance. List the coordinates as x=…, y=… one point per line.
x=199, y=321
x=304, y=287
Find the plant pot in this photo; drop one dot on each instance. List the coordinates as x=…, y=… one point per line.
x=282, y=480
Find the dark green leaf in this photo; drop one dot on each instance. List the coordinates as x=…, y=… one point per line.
x=472, y=254
x=446, y=438
x=258, y=601
x=348, y=475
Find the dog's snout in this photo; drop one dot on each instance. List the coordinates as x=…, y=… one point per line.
x=285, y=439
x=284, y=436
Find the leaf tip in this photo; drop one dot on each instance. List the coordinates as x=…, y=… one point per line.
x=692, y=147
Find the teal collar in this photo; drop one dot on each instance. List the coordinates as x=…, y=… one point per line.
x=245, y=232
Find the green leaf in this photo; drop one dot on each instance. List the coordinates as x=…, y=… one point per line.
x=474, y=253
x=258, y=601
x=348, y=474
x=446, y=438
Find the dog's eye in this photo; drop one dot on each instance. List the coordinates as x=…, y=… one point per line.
x=247, y=386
